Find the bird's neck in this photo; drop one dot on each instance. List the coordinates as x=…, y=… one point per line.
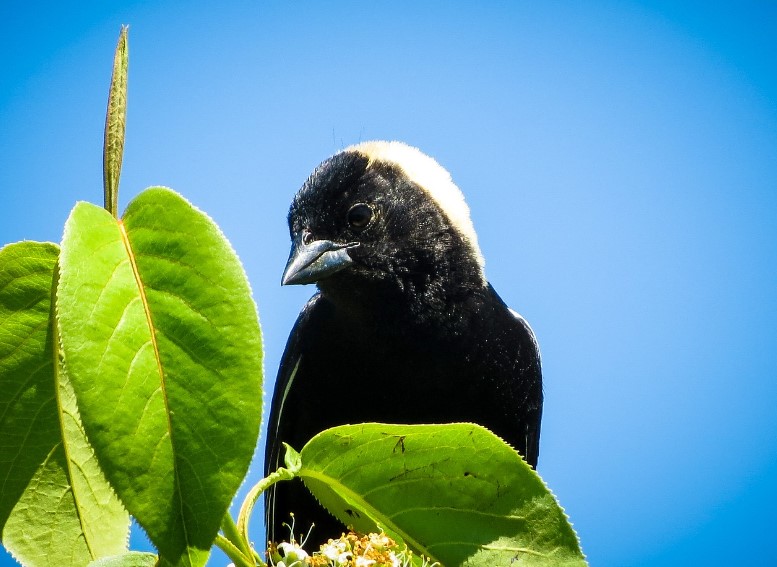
x=411, y=305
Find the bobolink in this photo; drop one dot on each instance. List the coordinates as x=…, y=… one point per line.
x=405, y=328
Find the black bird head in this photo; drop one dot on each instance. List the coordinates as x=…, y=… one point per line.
x=382, y=217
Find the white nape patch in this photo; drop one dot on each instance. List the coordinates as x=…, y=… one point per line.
x=432, y=178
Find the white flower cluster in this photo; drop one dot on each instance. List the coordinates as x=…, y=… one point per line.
x=350, y=550
x=293, y=555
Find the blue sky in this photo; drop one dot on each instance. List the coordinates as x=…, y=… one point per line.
x=619, y=158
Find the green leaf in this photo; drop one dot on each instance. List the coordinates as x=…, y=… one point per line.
x=292, y=459
x=56, y=508
x=128, y=559
x=115, y=125
x=162, y=342
x=455, y=493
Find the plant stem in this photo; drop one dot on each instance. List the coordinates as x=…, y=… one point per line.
x=231, y=533
x=253, y=496
x=115, y=126
x=235, y=554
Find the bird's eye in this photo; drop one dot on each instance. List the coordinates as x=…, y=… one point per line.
x=359, y=216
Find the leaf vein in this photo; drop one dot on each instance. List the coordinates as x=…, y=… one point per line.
x=162, y=377
x=468, y=511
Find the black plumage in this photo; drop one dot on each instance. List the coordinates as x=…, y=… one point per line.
x=404, y=329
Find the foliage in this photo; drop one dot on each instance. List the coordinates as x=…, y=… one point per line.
x=455, y=493
x=172, y=333
x=55, y=500
x=131, y=380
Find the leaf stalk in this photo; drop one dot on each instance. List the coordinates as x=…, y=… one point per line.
x=253, y=495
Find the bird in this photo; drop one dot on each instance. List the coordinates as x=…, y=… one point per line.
x=404, y=327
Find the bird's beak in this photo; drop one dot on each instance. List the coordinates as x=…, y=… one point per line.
x=314, y=261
